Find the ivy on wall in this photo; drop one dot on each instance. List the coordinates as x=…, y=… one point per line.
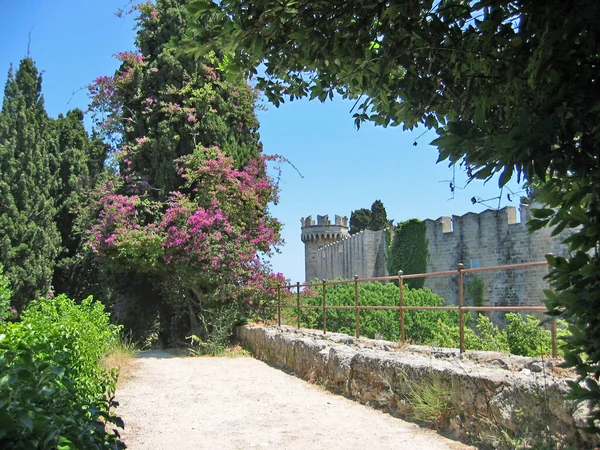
x=408, y=251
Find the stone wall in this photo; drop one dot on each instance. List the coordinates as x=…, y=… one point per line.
x=361, y=254
x=481, y=394
x=491, y=238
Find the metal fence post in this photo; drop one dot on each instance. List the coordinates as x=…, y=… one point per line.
x=298, y=301
x=324, y=309
x=554, y=339
x=461, y=312
x=553, y=322
x=279, y=305
x=401, y=305
x=357, y=334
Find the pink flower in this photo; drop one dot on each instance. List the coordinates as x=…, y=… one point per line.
x=191, y=118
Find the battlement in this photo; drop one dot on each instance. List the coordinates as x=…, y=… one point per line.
x=324, y=221
x=361, y=254
x=488, y=219
x=323, y=231
x=346, y=239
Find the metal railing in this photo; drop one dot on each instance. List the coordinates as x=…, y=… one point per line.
x=402, y=308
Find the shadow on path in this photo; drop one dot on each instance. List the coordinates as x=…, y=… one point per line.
x=162, y=354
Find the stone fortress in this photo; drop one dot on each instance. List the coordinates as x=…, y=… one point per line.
x=487, y=239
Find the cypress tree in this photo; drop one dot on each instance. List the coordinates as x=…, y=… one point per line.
x=379, y=220
x=359, y=220
x=76, y=162
x=29, y=239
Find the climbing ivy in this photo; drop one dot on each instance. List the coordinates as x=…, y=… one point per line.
x=476, y=290
x=408, y=250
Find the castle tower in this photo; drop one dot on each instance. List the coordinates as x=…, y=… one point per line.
x=318, y=235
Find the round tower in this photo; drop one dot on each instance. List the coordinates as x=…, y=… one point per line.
x=317, y=235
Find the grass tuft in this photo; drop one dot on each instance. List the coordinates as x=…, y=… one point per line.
x=122, y=358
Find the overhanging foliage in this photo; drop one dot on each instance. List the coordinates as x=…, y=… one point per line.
x=510, y=88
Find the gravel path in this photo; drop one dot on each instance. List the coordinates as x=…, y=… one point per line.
x=180, y=403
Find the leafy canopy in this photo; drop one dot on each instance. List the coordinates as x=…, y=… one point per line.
x=509, y=87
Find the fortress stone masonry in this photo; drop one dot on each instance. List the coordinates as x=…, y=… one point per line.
x=491, y=238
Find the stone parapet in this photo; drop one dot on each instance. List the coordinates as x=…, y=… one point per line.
x=483, y=395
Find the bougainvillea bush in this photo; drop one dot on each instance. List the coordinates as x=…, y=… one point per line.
x=186, y=210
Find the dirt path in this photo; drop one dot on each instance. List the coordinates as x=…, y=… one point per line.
x=180, y=403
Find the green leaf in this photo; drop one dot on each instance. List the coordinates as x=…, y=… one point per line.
x=26, y=421
x=201, y=6
x=577, y=213
x=488, y=25
x=448, y=141
x=559, y=228
x=542, y=213
x=506, y=176
x=589, y=270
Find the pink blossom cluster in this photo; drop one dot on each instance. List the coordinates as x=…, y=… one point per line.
x=210, y=72
x=130, y=58
x=147, y=10
x=214, y=233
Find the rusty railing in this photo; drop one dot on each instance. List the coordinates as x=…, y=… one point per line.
x=460, y=272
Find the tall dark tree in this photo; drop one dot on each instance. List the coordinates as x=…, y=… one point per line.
x=374, y=219
x=359, y=220
x=379, y=220
x=76, y=163
x=29, y=239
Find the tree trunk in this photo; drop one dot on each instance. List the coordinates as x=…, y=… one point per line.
x=196, y=328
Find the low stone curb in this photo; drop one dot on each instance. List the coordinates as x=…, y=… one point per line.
x=476, y=396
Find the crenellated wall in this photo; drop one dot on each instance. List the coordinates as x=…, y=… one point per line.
x=491, y=238
x=361, y=254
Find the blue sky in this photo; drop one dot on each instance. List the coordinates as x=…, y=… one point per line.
x=342, y=168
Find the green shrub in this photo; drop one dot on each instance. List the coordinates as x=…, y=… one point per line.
x=486, y=336
x=384, y=324
x=52, y=392
x=219, y=323
x=522, y=336
x=527, y=337
x=5, y=295
x=82, y=330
